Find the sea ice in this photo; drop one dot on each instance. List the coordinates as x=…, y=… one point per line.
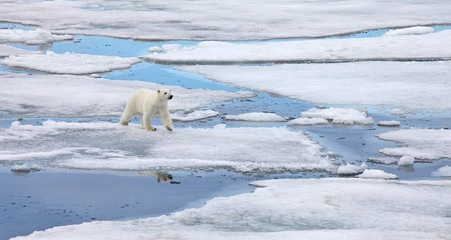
x=80, y=96
x=428, y=46
x=31, y=37
x=69, y=63
x=419, y=143
x=256, y=117
x=411, y=85
x=105, y=145
x=193, y=116
x=351, y=169
x=377, y=174
x=444, y=171
x=387, y=161
x=406, y=160
x=318, y=209
x=389, y=123
x=409, y=31
x=339, y=115
x=308, y=121
x=6, y=51
x=222, y=20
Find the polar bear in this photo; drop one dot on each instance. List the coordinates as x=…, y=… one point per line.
x=148, y=103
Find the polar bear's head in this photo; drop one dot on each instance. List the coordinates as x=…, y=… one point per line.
x=165, y=94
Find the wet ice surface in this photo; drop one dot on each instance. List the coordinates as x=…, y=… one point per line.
x=26, y=143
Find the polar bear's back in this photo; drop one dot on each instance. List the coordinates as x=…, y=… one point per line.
x=138, y=98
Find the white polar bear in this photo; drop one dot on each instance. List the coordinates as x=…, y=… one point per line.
x=148, y=103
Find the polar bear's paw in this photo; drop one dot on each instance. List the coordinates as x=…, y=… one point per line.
x=151, y=129
x=169, y=128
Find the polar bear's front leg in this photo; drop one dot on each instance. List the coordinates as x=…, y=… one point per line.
x=166, y=120
x=147, y=122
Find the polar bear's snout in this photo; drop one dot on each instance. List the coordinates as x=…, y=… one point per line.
x=170, y=97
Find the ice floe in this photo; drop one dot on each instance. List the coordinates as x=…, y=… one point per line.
x=444, y=171
x=339, y=115
x=308, y=121
x=392, y=123
x=351, y=169
x=294, y=209
x=222, y=20
x=409, y=31
x=105, y=145
x=428, y=46
x=6, y=51
x=411, y=85
x=31, y=37
x=25, y=168
x=419, y=143
x=69, y=63
x=376, y=174
x=193, y=116
x=256, y=117
x=406, y=161
x=383, y=160
x=80, y=96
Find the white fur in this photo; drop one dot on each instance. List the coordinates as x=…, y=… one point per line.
x=148, y=103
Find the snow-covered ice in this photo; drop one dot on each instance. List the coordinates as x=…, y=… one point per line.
x=193, y=116
x=80, y=96
x=308, y=121
x=406, y=160
x=31, y=37
x=222, y=20
x=294, y=209
x=105, y=145
x=6, y=51
x=444, y=171
x=339, y=115
x=419, y=143
x=376, y=174
x=392, y=123
x=409, y=31
x=428, y=46
x=69, y=63
x=256, y=117
x=411, y=85
x=351, y=169
x=383, y=160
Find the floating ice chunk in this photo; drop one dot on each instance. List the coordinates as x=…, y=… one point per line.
x=308, y=121
x=387, y=161
x=193, y=116
x=256, y=117
x=69, y=63
x=409, y=31
x=32, y=37
x=170, y=47
x=339, y=115
x=397, y=84
x=21, y=168
x=421, y=143
x=389, y=123
x=154, y=49
x=428, y=46
x=351, y=169
x=444, y=171
x=316, y=209
x=105, y=145
x=35, y=168
x=398, y=112
x=34, y=95
x=6, y=51
x=377, y=174
x=406, y=160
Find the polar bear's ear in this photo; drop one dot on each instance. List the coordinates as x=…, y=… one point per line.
x=158, y=90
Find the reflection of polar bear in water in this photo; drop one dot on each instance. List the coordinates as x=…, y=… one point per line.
x=148, y=103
